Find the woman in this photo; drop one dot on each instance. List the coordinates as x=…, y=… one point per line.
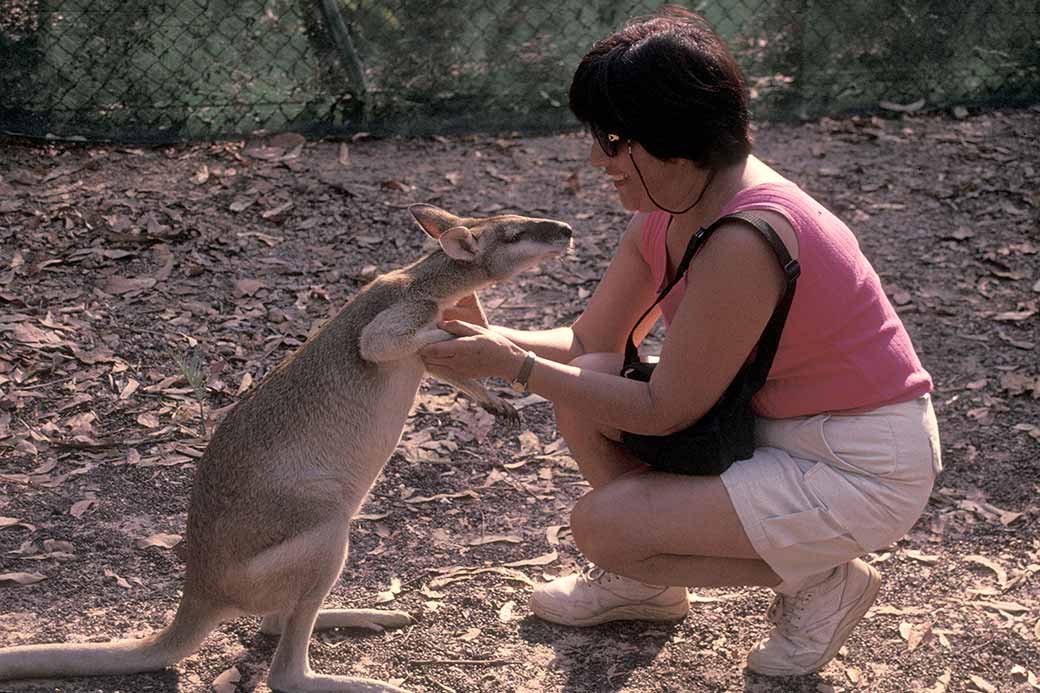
x=847, y=447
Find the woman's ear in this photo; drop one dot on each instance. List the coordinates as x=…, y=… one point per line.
x=459, y=243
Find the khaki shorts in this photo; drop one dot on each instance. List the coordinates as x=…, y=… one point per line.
x=823, y=490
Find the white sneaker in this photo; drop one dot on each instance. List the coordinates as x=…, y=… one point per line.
x=596, y=596
x=812, y=625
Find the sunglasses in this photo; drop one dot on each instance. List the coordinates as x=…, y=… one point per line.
x=609, y=142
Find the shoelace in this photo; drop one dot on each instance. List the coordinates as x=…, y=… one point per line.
x=786, y=611
x=593, y=573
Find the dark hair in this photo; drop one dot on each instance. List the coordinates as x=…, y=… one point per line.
x=668, y=82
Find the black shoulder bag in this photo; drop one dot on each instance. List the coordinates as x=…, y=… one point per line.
x=726, y=432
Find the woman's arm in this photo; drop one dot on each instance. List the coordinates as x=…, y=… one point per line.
x=732, y=287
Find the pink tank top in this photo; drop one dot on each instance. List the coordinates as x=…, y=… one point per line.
x=844, y=348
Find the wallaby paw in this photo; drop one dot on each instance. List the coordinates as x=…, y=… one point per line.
x=503, y=410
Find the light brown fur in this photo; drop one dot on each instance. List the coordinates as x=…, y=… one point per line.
x=291, y=464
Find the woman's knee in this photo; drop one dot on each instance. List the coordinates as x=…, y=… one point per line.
x=589, y=526
x=600, y=523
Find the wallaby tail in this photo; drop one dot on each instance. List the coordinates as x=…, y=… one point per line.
x=193, y=622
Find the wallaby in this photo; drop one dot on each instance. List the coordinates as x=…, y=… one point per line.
x=290, y=465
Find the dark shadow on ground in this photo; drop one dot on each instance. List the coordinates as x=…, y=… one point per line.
x=608, y=654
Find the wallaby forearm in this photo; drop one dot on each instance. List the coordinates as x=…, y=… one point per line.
x=560, y=344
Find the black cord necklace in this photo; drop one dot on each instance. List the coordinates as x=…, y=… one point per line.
x=711, y=175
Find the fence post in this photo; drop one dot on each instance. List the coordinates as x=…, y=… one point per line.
x=340, y=33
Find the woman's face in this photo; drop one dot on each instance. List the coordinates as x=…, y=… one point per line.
x=673, y=183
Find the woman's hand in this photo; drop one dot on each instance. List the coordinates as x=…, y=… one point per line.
x=467, y=309
x=477, y=353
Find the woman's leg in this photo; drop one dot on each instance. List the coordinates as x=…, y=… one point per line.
x=638, y=523
x=597, y=449
x=668, y=529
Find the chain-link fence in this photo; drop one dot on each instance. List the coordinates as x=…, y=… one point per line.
x=161, y=70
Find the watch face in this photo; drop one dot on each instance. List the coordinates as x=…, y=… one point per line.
x=517, y=387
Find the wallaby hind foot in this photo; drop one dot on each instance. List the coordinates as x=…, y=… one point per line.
x=290, y=668
x=370, y=619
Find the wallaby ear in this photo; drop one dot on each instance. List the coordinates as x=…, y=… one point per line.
x=459, y=243
x=433, y=220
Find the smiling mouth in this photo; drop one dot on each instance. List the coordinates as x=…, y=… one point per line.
x=618, y=178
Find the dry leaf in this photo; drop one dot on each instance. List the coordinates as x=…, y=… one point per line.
x=247, y=287
x=30, y=334
x=80, y=508
x=443, y=496
x=696, y=598
x=458, y=574
x=397, y=185
x=505, y=614
x=123, y=285
x=494, y=539
x=544, y=559
x=1002, y=577
x=1022, y=675
x=163, y=541
x=390, y=594
x=9, y=579
x=225, y=683
x=276, y=211
x=529, y=443
x=941, y=684
x=15, y=522
x=919, y=556
x=1015, y=315
x=129, y=389
x=201, y=175
x=58, y=546
x=915, y=634
x=552, y=534
x=119, y=580
x=148, y=420
x=244, y=384
x=1032, y=429
x=1011, y=607
x=470, y=635
x=982, y=684
x=887, y=610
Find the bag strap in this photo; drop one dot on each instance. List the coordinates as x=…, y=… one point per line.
x=757, y=370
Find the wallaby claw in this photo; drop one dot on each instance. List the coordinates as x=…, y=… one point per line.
x=502, y=410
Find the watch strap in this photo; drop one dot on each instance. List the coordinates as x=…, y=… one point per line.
x=519, y=383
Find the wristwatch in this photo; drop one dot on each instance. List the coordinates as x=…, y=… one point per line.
x=519, y=383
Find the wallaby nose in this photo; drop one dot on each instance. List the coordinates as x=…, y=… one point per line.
x=559, y=227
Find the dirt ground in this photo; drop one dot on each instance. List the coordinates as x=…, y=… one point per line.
x=117, y=264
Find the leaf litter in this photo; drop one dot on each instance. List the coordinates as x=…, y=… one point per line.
x=231, y=254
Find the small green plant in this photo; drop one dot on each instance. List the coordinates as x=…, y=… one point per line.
x=191, y=367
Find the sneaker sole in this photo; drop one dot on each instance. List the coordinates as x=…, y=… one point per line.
x=630, y=612
x=840, y=636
